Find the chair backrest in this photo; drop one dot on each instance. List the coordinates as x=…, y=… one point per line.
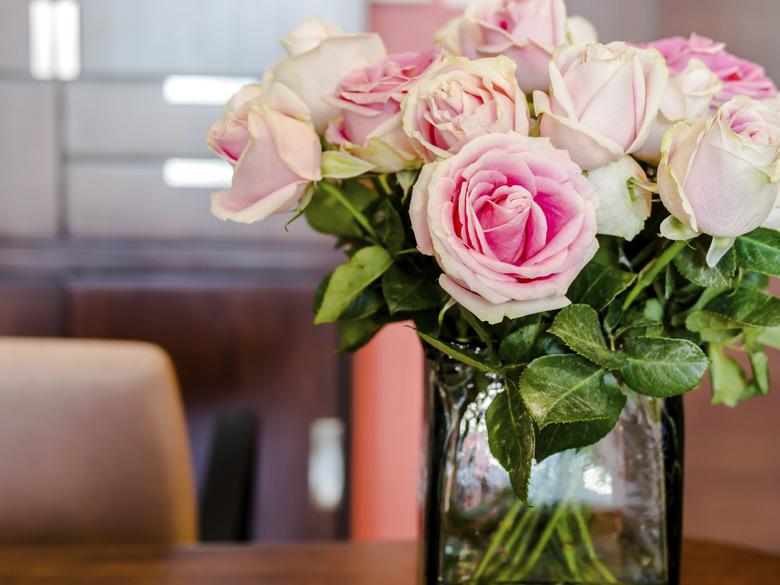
x=93, y=445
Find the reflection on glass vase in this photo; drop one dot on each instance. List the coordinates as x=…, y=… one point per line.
x=610, y=513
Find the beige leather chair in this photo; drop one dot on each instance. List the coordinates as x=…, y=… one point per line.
x=93, y=445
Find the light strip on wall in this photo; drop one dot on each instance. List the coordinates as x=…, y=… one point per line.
x=41, y=14
x=195, y=173
x=67, y=39
x=202, y=90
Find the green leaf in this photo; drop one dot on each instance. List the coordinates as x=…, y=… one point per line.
x=760, y=251
x=389, y=226
x=367, y=303
x=350, y=279
x=562, y=389
x=405, y=293
x=578, y=326
x=692, y=264
x=759, y=363
x=326, y=215
x=465, y=356
x=729, y=382
x=562, y=437
x=662, y=367
x=770, y=337
x=512, y=441
x=519, y=347
x=357, y=333
x=598, y=285
x=748, y=307
x=340, y=165
x=406, y=180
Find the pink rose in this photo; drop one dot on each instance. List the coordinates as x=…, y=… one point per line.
x=229, y=137
x=511, y=221
x=314, y=73
x=275, y=150
x=721, y=176
x=370, y=103
x=740, y=77
x=458, y=100
x=527, y=31
x=603, y=101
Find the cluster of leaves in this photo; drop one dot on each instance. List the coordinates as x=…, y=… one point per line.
x=648, y=315
x=385, y=279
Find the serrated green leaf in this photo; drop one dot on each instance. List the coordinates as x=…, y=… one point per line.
x=351, y=279
x=661, y=367
x=562, y=437
x=512, y=441
x=748, y=307
x=729, y=382
x=563, y=389
x=759, y=251
x=692, y=264
x=578, y=326
x=408, y=293
x=388, y=224
x=518, y=348
x=479, y=361
x=703, y=320
x=598, y=285
x=327, y=216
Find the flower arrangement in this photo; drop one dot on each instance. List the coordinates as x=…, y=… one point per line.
x=591, y=217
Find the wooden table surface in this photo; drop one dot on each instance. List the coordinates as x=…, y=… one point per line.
x=349, y=564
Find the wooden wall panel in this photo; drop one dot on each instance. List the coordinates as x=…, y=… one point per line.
x=237, y=345
x=30, y=308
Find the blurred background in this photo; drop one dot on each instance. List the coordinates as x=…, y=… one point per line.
x=105, y=233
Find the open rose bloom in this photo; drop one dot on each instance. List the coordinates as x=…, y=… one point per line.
x=584, y=222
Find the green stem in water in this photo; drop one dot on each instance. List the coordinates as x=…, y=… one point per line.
x=544, y=539
x=334, y=191
x=606, y=574
x=569, y=549
x=503, y=528
x=652, y=270
x=530, y=521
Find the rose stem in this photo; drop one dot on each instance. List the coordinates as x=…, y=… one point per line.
x=503, y=528
x=569, y=549
x=339, y=196
x=588, y=542
x=652, y=270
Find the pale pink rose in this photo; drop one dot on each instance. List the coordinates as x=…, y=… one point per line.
x=458, y=100
x=228, y=137
x=721, y=176
x=309, y=34
x=279, y=160
x=511, y=221
x=689, y=95
x=314, y=74
x=740, y=77
x=527, y=31
x=370, y=100
x=603, y=101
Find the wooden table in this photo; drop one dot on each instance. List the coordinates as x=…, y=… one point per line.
x=351, y=564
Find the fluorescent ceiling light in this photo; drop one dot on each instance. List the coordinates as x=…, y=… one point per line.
x=195, y=173
x=202, y=90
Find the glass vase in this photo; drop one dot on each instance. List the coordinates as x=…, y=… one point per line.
x=609, y=513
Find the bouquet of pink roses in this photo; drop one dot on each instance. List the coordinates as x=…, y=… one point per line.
x=577, y=218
